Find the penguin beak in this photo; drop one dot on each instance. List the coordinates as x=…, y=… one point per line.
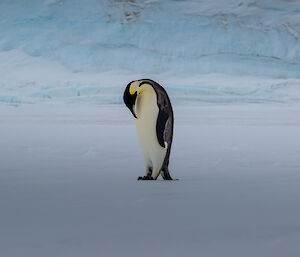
x=129, y=98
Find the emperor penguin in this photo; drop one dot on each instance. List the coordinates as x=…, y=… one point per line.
x=151, y=107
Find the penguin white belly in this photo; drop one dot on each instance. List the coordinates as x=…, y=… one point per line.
x=147, y=113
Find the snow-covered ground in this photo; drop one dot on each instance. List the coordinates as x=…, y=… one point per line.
x=69, y=156
x=68, y=183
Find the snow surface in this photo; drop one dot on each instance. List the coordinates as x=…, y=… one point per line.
x=68, y=183
x=26, y=80
x=69, y=156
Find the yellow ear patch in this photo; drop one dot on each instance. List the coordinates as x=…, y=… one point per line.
x=131, y=92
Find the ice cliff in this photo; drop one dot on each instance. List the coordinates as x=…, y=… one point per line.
x=180, y=38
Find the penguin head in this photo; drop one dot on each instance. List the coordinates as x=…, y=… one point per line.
x=132, y=91
x=129, y=98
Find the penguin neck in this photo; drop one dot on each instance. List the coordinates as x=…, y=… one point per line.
x=146, y=103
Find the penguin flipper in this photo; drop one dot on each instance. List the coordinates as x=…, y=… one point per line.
x=160, y=126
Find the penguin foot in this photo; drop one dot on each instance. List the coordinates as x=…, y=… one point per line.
x=145, y=178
